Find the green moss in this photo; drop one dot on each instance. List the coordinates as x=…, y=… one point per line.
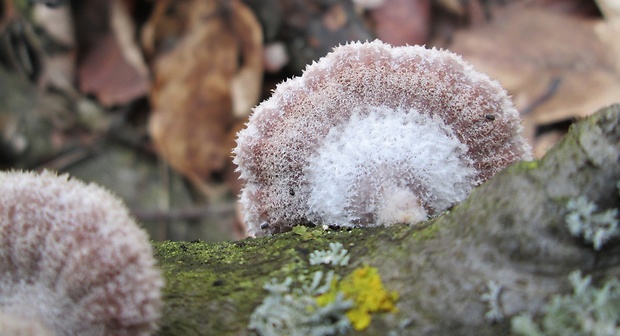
x=526, y=165
x=205, y=279
x=426, y=233
x=207, y=283
x=306, y=233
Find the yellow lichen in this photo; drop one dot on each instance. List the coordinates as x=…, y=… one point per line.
x=365, y=289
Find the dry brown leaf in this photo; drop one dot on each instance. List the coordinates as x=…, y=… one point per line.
x=609, y=30
x=609, y=33
x=112, y=68
x=106, y=73
x=554, y=65
x=199, y=83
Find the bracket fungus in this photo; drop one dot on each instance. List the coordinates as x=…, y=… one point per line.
x=72, y=261
x=374, y=135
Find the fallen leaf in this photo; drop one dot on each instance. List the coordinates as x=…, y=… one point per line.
x=608, y=32
x=200, y=85
x=609, y=29
x=112, y=68
x=106, y=73
x=554, y=65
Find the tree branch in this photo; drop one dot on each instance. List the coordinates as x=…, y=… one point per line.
x=510, y=233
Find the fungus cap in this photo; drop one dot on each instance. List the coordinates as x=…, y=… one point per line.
x=371, y=135
x=73, y=260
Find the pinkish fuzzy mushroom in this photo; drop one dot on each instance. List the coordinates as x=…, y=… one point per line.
x=374, y=135
x=72, y=260
x=15, y=326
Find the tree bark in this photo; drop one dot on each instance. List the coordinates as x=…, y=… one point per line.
x=510, y=231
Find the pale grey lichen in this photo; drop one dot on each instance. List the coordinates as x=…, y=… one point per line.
x=494, y=313
x=336, y=255
x=295, y=312
x=402, y=327
x=587, y=311
x=594, y=227
x=318, y=286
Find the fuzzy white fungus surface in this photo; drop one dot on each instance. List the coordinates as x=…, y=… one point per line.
x=373, y=134
x=72, y=260
x=420, y=163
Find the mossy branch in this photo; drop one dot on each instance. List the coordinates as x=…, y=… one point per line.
x=510, y=233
